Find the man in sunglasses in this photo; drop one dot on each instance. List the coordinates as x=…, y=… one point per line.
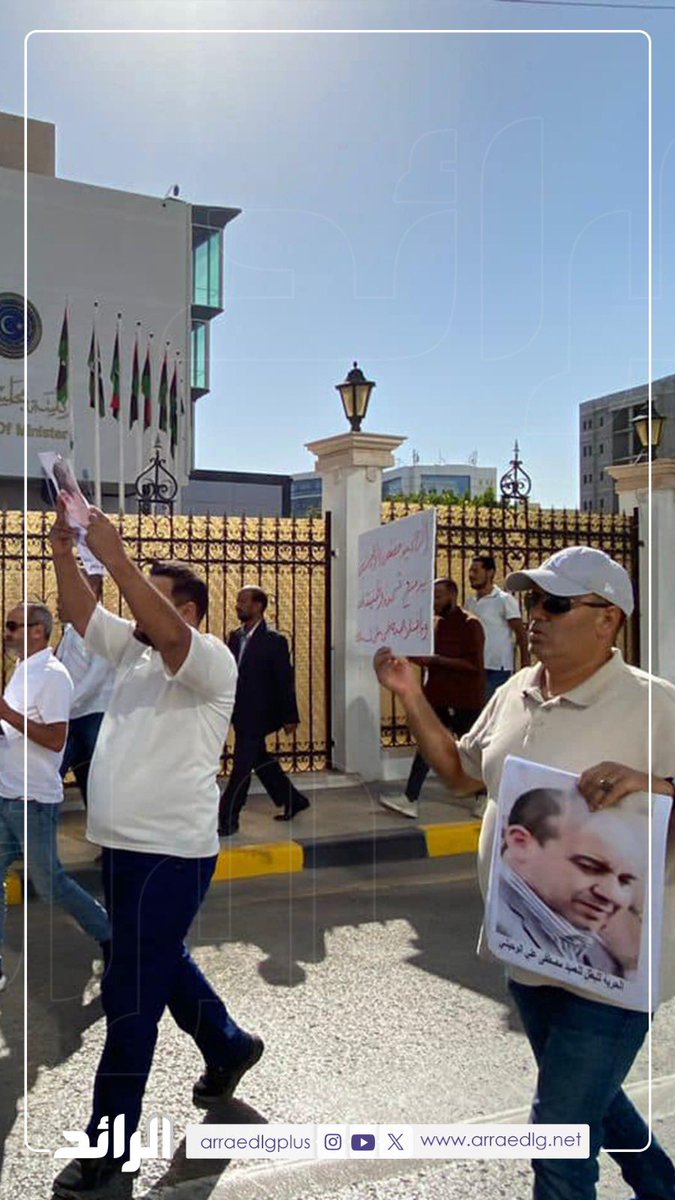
x=582, y=709
x=40, y=688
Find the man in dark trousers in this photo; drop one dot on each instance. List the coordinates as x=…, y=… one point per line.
x=454, y=684
x=265, y=702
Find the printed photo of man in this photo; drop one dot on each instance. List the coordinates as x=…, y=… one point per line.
x=571, y=881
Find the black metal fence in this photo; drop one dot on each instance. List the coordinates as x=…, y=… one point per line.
x=288, y=557
x=516, y=536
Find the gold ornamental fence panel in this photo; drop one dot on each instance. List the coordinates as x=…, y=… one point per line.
x=516, y=536
x=288, y=557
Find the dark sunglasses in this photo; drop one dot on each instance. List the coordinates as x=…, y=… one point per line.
x=12, y=626
x=557, y=606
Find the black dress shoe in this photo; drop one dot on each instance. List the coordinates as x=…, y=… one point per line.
x=95, y=1178
x=218, y=1084
x=292, y=811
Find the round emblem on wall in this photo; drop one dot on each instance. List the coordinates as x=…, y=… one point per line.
x=11, y=326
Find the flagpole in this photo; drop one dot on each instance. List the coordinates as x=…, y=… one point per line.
x=97, y=419
x=139, y=419
x=71, y=414
x=121, y=488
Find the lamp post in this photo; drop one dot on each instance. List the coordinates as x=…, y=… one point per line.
x=640, y=424
x=355, y=395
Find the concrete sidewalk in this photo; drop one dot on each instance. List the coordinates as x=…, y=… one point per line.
x=344, y=826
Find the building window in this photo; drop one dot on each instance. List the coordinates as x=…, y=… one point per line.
x=207, y=267
x=199, y=356
x=602, y=447
x=602, y=476
x=602, y=421
x=602, y=504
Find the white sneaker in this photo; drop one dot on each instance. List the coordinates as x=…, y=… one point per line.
x=400, y=804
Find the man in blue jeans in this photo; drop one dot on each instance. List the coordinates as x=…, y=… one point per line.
x=153, y=806
x=581, y=709
x=37, y=699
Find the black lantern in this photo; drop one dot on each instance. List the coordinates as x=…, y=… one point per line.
x=155, y=488
x=355, y=394
x=640, y=424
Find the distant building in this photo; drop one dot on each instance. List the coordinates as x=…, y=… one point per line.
x=157, y=261
x=607, y=438
x=237, y=494
x=464, y=479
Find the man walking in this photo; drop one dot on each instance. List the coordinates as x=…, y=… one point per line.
x=265, y=703
x=454, y=684
x=581, y=709
x=39, y=694
x=93, y=678
x=502, y=622
x=153, y=796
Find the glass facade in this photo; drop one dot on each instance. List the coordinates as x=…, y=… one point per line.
x=207, y=267
x=199, y=356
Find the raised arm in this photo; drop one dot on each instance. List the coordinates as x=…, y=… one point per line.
x=77, y=601
x=160, y=621
x=436, y=745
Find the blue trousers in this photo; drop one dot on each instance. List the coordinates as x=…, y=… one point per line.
x=152, y=900
x=80, y=746
x=493, y=680
x=584, y=1050
x=44, y=865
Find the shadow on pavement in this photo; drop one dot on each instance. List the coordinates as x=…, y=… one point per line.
x=197, y=1178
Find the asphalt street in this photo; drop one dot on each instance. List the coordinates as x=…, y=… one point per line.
x=374, y=1008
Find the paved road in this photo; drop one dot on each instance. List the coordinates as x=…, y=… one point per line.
x=373, y=1006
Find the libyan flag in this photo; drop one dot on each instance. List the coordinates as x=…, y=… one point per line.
x=115, y=379
x=163, y=392
x=146, y=389
x=62, y=377
x=133, y=399
x=173, y=410
x=91, y=363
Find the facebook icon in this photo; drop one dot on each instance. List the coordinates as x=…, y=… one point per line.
x=363, y=1141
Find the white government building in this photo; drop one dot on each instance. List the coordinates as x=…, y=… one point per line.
x=97, y=252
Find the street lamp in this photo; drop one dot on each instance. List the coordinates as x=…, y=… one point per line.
x=640, y=424
x=355, y=394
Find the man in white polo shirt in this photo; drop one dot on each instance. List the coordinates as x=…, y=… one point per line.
x=41, y=688
x=582, y=709
x=502, y=622
x=153, y=808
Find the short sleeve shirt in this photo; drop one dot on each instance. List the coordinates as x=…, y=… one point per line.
x=42, y=689
x=152, y=783
x=604, y=719
x=495, y=611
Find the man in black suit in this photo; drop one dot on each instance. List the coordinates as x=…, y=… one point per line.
x=265, y=701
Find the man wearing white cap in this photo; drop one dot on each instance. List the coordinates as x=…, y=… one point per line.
x=582, y=709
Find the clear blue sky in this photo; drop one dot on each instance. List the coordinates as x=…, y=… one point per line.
x=466, y=215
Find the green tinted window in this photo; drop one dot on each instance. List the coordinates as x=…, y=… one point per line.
x=207, y=267
x=199, y=378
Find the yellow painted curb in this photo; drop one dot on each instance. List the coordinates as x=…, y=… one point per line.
x=13, y=888
x=266, y=859
x=461, y=838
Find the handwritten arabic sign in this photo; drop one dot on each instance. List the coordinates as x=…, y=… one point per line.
x=395, y=586
x=569, y=893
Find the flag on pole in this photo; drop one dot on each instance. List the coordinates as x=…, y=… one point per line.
x=101, y=390
x=62, y=377
x=163, y=390
x=133, y=399
x=173, y=410
x=91, y=363
x=115, y=401
x=146, y=389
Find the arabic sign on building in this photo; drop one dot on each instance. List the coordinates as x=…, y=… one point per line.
x=569, y=893
x=396, y=586
x=94, y=253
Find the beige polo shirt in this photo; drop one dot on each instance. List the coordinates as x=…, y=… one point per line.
x=605, y=719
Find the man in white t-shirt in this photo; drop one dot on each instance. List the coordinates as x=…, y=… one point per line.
x=502, y=622
x=93, y=678
x=153, y=808
x=39, y=692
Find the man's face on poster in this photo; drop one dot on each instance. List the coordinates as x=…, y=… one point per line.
x=589, y=870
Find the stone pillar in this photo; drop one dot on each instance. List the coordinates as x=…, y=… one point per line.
x=632, y=487
x=350, y=466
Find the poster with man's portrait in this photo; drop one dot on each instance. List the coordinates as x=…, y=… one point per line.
x=569, y=893
x=60, y=474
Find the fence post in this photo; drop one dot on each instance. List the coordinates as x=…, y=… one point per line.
x=351, y=466
x=632, y=487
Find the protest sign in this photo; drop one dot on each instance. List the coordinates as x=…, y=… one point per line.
x=396, y=586
x=61, y=476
